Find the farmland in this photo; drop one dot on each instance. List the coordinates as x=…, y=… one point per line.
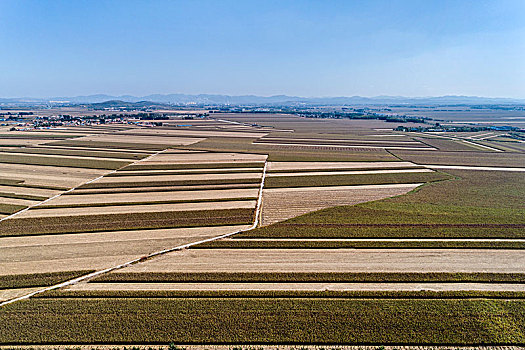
x=260, y=228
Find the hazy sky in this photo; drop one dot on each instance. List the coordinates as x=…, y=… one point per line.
x=305, y=48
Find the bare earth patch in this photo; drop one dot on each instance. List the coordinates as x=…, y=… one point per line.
x=283, y=203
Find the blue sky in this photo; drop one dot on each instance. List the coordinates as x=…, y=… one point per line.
x=304, y=48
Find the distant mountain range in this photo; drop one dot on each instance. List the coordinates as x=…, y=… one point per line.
x=268, y=100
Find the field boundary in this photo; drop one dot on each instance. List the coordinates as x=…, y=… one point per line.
x=149, y=256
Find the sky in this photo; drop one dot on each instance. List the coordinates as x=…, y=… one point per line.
x=300, y=48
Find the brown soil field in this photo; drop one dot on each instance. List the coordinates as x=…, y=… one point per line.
x=196, y=133
x=20, y=255
x=321, y=140
x=151, y=178
x=283, y=203
x=350, y=172
x=49, y=175
x=150, y=208
x=302, y=286
x=22, y=142
x=40, y=155
x=71, y=199
x=281, y=166
x=6, y=294
x=336, y=260
x=17, y=201
x=28, y=191
x=204, y=157
x=161, y=140
x=330, y=146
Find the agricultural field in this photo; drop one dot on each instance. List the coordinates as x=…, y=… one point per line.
x=260, y=228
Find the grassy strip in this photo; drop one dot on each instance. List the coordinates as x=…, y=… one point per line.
x=22, y=196
x=110, y=145
x=361, y=244
x=164, y=189
x=125, y=221
x=167, y=172
x=79, y=153
x=344, y=169
x=170, y=183
x=138, y=167
x=345, y=180
x=203, y=200
x=420, y=294
x=61, y=161
x=263, y=320
x=474, y=204
x=39, y=279
x=280, y=277
x=8, y=209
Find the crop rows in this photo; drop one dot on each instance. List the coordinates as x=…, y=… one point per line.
x=170, y=183
x=276, y=244
x=173, y=166
x=280, y=277
x=62, y=161
x=346, y=180
x=263, y=320
x=127, y=221
x=38, y=279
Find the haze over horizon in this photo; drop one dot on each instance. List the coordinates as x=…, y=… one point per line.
x=297, y=48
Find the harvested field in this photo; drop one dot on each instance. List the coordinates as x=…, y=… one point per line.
x=128, y=221
x=190, y=166
x=348, y=180
x=180, y=178
x=308, y=166
x=284, y=203
x=197, y=133
x=7, y=294
x=185, y=172
x=77, y=152
x=336, y=260
x=293, y=153
x=67, y=252
x=204, y=157
x=109, y=145
x=145, y=208
x=143, y=196
x=140, y=139
x=17, y=201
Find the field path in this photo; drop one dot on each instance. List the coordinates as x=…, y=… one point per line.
x=147, y=257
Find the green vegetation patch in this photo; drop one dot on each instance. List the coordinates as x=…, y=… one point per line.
x=61, y=161
x=203, y=200
x=253, y=293
x=474, y=204
x=39, y=279
x=263, y=320
x=281, y=277
x=277, y=244
x=8, y=209
x=127, y=221
x=347, y=180
x=170, y=183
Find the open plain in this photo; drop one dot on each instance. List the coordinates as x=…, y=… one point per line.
x=260, y=228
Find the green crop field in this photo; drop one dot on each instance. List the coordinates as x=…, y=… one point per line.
x=263, y=320
x=128, y=221
x=346, y=180
x=38, y=279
